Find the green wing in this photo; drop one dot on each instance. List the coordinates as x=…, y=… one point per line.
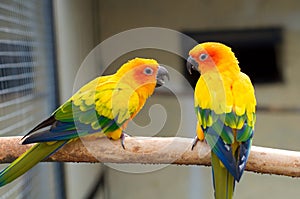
x=103, y=107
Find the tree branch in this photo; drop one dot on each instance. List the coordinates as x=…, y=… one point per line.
x=155, y=150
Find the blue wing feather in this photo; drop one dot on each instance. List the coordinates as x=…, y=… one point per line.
x=220, y=136
x=47, y=136
x=222, y=150
x=69, y=130
x=244, y=152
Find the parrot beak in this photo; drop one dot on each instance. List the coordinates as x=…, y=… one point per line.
x=160, y=76
x=191, y=64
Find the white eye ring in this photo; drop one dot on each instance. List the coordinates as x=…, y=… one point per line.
x=148, y=71
x=203, y=56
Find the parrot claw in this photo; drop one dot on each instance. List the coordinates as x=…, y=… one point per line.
x=196, y=139
x=122, y=138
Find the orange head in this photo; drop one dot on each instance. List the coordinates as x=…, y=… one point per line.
x=143, y=75
x=210, y=56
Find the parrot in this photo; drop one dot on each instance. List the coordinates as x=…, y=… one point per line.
x=225, y=103
x=104, y=106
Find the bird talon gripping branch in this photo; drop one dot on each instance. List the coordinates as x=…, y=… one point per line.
x=122, y=138
x=195, y=141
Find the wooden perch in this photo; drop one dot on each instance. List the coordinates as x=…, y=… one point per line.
x=156, y=150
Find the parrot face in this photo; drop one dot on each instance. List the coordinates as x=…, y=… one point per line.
x=200, y=62
x=211, y=56
x=143, y=75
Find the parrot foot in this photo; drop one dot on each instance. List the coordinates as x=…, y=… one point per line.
x=122, y=138
x=196, y=139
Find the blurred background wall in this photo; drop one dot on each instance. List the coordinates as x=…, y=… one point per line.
x=80, y=25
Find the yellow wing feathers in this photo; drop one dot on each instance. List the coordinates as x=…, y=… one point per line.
x=244, y=98
x=226, y=96
x=116, y=101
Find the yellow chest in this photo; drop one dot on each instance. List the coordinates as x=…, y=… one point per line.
x=214, y=92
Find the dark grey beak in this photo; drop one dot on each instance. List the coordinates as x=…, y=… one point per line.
x=160, y=76
x=191, y=64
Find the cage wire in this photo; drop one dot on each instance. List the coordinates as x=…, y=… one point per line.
x=26, y=84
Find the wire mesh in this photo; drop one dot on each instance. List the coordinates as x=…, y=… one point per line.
x=26, y=83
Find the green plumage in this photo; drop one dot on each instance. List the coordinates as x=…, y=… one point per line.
x=223, y=180
x=27, y=160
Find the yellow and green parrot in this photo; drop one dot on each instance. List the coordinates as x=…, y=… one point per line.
x=104, y=106
x=225, y=108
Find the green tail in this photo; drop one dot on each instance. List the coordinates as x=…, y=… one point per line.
x=27, y=160
x=223, y=180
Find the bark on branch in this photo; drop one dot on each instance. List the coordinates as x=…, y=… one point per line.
x=156, y=150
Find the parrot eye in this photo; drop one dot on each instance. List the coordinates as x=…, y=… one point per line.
x=148, y=71
x=203, y=56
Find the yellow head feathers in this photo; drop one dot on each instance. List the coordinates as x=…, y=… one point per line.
x=135, y=63
x=209, y=55
x=142, y=75
x=139, y=72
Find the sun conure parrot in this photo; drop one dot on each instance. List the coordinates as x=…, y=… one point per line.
x=225, y=109
x=104, y=106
